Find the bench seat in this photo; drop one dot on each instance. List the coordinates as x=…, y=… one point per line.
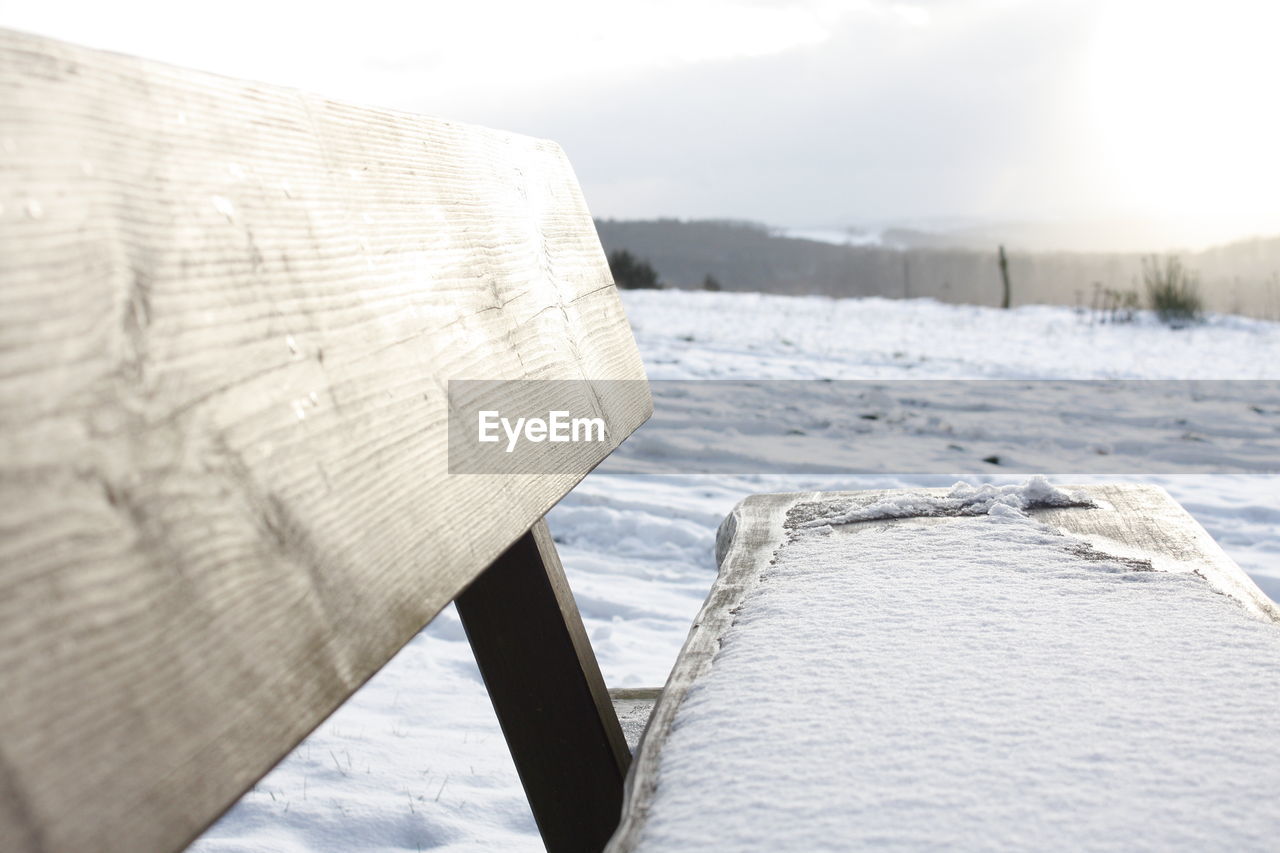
x=987, y=668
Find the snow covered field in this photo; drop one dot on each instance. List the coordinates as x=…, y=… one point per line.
x=415, y=760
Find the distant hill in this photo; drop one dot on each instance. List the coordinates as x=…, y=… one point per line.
x=1239, y=278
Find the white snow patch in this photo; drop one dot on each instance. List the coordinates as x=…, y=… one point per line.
x=963, y=499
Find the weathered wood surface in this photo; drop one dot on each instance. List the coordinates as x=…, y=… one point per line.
x=227, y=316
x=551, y=701
x=1129, y=521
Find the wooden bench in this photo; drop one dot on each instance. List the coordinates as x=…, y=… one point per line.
x=230, y=314
x=1120, y=537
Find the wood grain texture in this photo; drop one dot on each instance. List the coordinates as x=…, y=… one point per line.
x=227, y=316
x=1129, y=521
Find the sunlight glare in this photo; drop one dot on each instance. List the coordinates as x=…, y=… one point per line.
x=1182, y=101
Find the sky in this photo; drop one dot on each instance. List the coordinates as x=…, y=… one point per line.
x=1141, y=124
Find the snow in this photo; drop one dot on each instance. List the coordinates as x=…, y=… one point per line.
x=974, y=682
x=698, y=335
x=902, y=426
x=963, y=499
x=415, y=760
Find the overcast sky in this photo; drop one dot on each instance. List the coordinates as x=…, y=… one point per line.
x=800, y=114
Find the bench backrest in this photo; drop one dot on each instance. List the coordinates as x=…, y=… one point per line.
x=230, y=312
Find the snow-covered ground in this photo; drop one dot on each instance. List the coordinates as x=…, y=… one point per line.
x=416, y=761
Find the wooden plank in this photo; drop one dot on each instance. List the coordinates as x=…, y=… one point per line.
x=228, y=313
x=746, y=541
x=1143, y=522
x=546, y=688
x=1129, y=522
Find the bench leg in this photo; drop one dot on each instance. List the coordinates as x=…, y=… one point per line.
x=546, y=687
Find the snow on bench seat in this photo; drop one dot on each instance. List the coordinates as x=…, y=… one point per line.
x=995, y=668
